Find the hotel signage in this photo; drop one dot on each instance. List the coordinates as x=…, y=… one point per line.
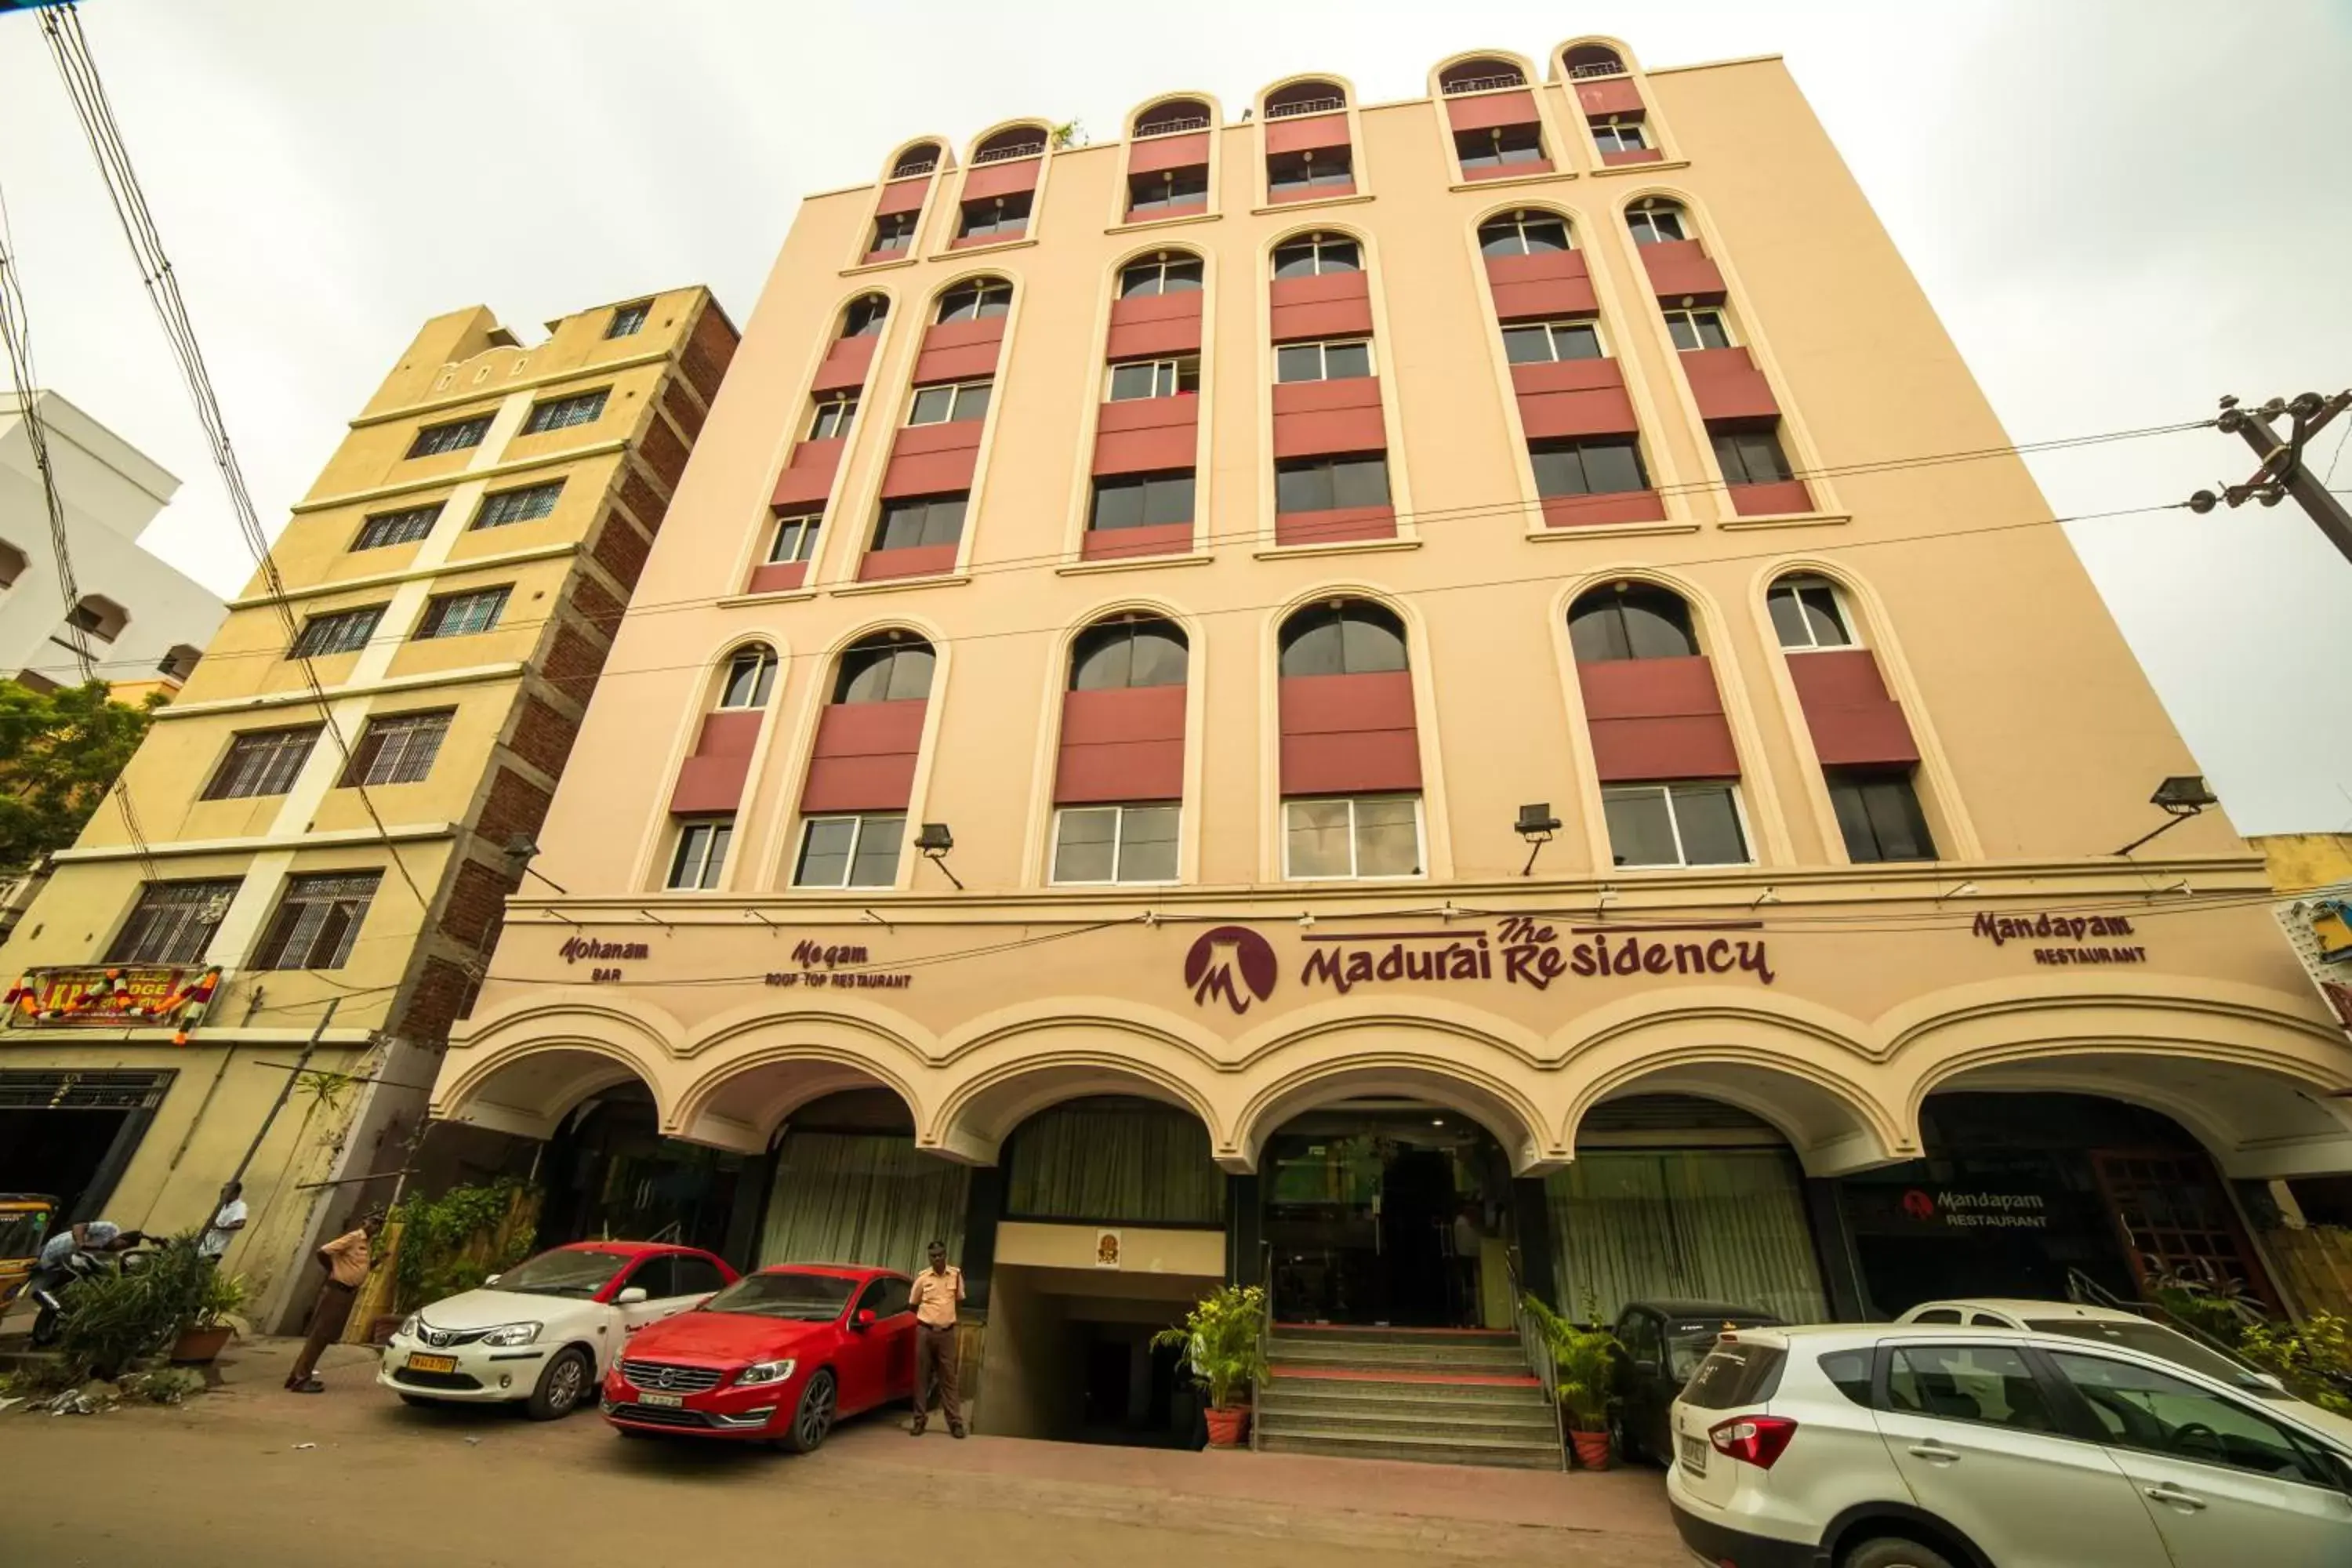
x=2071, y=931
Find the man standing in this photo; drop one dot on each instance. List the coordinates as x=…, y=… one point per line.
x=348, y=1258
x=937, y=1291
x=227, y=1220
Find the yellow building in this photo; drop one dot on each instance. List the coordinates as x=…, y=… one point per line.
x=331, y=813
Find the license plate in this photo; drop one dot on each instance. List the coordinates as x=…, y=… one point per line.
x=1694, y=1452
x=432, y=1363
x=662, y=1401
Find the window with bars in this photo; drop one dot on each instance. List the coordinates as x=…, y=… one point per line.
x=398, y=748
x=700, y=857
x=629, y=320
x=172, y=923
x=405, y=527
x=850, y=851
x=524, y=505
x=463, y=615
x=562, y=413
x=339, y=631
x=261, y=762
x=316, y=921
x=455, y=436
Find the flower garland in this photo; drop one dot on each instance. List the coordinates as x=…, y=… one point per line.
x=109, y=997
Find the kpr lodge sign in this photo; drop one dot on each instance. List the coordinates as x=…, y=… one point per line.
x=1237, y=967
x=128, y=994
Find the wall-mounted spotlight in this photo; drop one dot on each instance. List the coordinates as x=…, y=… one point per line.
x=1535, y=825
x=2180, y=797
x=935, y=841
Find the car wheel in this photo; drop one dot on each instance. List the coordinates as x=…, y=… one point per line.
x=561, y=1387
x=813, y=1419
x=1892, y=1551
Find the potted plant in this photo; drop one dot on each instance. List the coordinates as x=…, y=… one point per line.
x=1222, y=1349
x=1584, y=1377
x=208, y=1332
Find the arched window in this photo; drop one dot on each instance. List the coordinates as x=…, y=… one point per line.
x=864, y=316
x=1629, y=620
x=890, y=667
x=972, y=302
x=751, y=677
x=1657, y=222
x=1305, y=97
x=1484, y=74
x=1531, y=231
x=919, y=159
x=1591, y=60
x=1171, y=116
x=1169, y=272
x=1128, y=653
x=1311, y=254
x=1346, y=637
x=1021, y=142
x=1808, y=613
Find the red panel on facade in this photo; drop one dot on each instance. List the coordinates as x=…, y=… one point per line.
x=1854, y=722
x=1609, y=95
x=1148, y=434
x=734, y=733
x=1508, y=170
x=959, y=351
x=869, y=729
x=1656, y=719
x=1573, y=398
x=1303, y=131
x=1632, y=156
x=1488, y=110
x=921, y=561
x=1588, y=511
x=844, y=365
x=1311, y=194
x=1550, y=283
x=807, y=480
x=1122, y=544
x=1164, y=152
x=931, y=459
x=1787, y=499
x=903, y=196
x=709, y=785
x=1334, y=527
x=1315, y=418
x=1680, y=268
x=859, y=784
x=1154, y=324
x=1000, y=179
x=1333, y=305
x=778, y=577
x=863, y=759
x=1726, y=385
x=1121, y=745
x=1343, y=734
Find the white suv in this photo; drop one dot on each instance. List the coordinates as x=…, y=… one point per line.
x=1932, y=1446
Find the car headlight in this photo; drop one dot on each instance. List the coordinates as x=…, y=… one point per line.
x=765, y=1372
x=511, y=1334
x=407, y=1328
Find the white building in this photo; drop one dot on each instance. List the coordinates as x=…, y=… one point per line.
x=148, y=623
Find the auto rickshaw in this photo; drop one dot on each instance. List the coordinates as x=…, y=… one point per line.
x=24, y=1221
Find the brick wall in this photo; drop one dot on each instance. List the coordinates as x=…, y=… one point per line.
x=644, y=503
x=598, y=607
x=683, y=410
x=621, y=550
x=572, y=664
x=515, y=806
x=708, y=353
x=476, y=900
x=662, y=452
x=443, y=993
x=542, y=737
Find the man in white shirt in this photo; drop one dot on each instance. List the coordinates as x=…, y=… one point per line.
x=227, y=1220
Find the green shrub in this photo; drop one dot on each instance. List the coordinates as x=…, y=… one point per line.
x=1219, y=1338
x=1584, y=1365
x=114, y=1318
x=450, y=1244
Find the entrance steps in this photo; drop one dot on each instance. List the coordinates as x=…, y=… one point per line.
x=1456, y=1396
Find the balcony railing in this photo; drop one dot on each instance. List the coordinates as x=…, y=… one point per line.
x=1304, y=106
x=1019, y=150
x=1597, y=68
x=1461, y=85
x=909, y=171
x=1173, y=127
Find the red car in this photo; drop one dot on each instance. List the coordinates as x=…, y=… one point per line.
x=778, y=1356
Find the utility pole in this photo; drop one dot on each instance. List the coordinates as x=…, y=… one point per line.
x=283, y=1093
x=2284, y=472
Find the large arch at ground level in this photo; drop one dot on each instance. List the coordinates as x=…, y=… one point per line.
x=1479, y=1092
x=529, y=1088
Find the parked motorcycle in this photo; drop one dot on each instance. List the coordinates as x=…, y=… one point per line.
x=47, y=1288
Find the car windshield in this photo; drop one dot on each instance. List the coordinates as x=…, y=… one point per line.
x=2155, y=1339
x=1687, y=1343
x=564, y=1273
x=20, y=1232
x=804, y=1297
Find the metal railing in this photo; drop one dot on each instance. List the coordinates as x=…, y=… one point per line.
x=1171, y=127
x=1596, y=67
x=2083, y=1291
x=1019, y=150
x=1460, y=85
x=1538, y=1350
x=909, y=170
x=1264, y=1343
x=1304, y=106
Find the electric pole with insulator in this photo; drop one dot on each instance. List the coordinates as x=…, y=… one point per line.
x=2284, y=472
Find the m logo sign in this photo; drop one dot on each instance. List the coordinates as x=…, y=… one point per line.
x=1222, y=954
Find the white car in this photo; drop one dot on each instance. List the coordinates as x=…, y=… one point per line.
x=1930, y=1446
x=546, y=1331
x=2105, y=1325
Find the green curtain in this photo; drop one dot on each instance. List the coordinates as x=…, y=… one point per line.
x=1725, y=1225
x=849, y=1197
x=1141, y=1166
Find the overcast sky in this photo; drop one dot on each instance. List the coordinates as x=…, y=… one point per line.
x=2123, y=208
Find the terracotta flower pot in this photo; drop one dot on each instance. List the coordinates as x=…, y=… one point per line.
x=1591, y=1449
x=1226, y=1427
x=199, y=1345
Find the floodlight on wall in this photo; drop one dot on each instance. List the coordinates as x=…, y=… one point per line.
x=2180, y=797
x=1535, y=825
x=936, y=842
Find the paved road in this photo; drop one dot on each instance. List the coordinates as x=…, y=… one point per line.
x=221, y=1481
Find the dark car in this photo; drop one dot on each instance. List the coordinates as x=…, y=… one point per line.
x=1665, y=1341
